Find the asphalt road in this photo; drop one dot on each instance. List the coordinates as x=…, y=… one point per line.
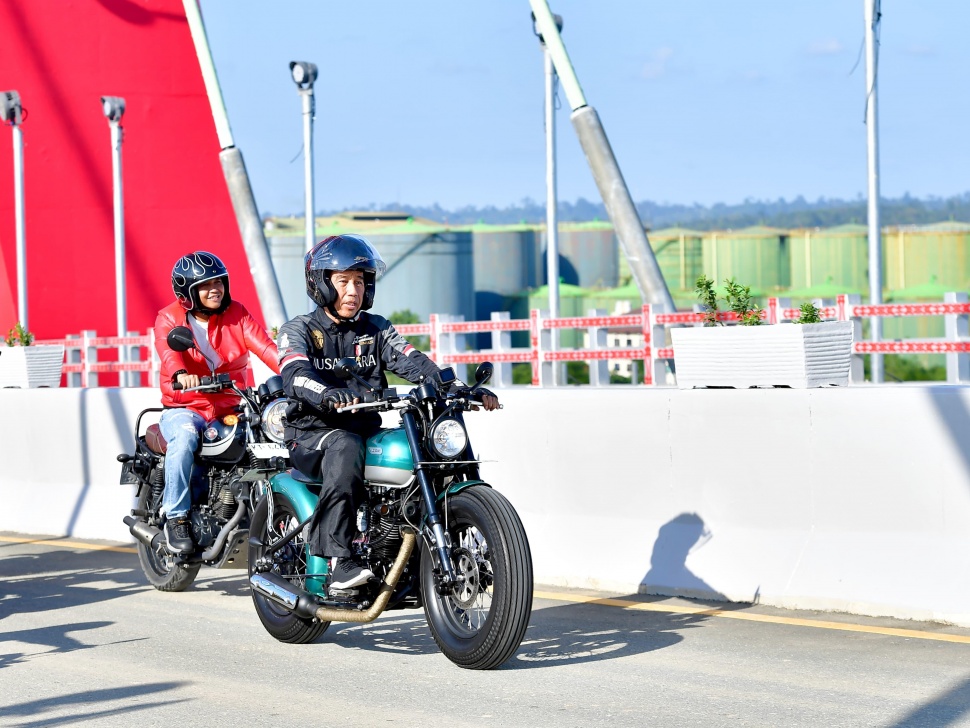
x=85, y=641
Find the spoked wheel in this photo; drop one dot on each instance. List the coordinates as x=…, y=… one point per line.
x=480, y=623
x=288, y=562
x=158, y=564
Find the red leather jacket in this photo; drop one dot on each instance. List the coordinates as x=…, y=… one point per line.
x=233, y=334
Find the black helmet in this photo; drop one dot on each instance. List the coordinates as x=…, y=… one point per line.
x=338, y=253
x=191, y=270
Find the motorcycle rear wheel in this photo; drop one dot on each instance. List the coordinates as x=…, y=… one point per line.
x=282, y=624
x=160, y=570
x=480, y=624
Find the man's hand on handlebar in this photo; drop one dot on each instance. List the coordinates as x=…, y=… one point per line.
x=489, y=400
x=339, y=398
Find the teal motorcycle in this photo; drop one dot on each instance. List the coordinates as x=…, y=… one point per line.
x=433, y=532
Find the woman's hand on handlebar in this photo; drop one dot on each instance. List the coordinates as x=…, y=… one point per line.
x=188, y=380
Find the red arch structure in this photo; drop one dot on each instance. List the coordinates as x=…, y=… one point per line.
x=62, y=57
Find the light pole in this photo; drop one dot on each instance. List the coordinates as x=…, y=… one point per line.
x=552, y=223
x=114, y=108
x=13, y=114
x=304, y=74
x=872, y=16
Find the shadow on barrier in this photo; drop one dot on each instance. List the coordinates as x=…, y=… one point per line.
x=953, y=412
x=669, y=574
x=946, y=709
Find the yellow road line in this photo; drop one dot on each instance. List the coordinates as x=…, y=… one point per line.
x=751, y=617
x=69, y=544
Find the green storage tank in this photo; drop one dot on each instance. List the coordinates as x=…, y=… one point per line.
x=758, y=257
x=837, y=256
x=914, y=254
x=572, y=302
x=680, y=254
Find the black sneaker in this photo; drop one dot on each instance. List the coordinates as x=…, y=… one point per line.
x=346, y=574
x=178, y=535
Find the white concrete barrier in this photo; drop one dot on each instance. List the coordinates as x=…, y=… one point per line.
x=852, y=499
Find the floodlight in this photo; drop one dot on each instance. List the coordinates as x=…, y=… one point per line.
x=10, y=108
x=535, y=26
x=113, y=107
x=304, y=73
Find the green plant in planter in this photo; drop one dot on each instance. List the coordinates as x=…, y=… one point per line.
x=704, y=287
x=809, y=314
x=19, y=336
x=739, y=301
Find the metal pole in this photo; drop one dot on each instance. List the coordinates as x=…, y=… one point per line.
x=237, y=179
x=117, y=135
x=18, y=193
x=306, y=95
x=873, y=15
x=552, y=223
x=606, y=171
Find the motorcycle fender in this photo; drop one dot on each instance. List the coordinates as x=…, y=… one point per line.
x=304, y=501
x=459, y=487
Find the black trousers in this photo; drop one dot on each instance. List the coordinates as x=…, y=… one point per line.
x=336, y=457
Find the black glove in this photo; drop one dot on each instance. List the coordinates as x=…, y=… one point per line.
x=339, y=397
x=481, y=393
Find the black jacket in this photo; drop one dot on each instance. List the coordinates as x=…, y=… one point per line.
x=308, y=346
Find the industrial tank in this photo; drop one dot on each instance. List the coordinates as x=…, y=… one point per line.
x=286, y=251
x=507, y=261
x=680, y=255
x=429, y=270
x=588, y=254
x=758, y=257
x=837, y=256
x=914, y=255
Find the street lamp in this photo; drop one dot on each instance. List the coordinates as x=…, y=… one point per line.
x=304, y=74
x=13, y=114
x=552, y=224
x=113, y=108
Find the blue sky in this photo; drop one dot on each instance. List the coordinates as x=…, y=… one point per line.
x=704, y=102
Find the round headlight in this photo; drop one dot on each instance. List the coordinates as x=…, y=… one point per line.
x=272, y=419
x=449, y=439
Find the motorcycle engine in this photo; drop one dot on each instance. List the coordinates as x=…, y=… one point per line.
x=224, y=489
x=205, y=528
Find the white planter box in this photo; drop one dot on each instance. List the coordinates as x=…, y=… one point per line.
x=775, y=355
x=31, y=366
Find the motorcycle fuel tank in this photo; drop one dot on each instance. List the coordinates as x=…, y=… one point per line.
x=388, y=459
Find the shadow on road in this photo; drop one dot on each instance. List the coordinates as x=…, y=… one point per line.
x=553, y=637
x=35, y=709
x=946, y=709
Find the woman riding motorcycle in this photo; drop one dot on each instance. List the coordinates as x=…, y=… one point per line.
x=225, y=332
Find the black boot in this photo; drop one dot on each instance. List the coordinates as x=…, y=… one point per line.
x=178, y=535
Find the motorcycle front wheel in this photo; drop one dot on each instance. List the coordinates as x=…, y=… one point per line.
x=158, y=564
x=291, y=562
x=480, y=623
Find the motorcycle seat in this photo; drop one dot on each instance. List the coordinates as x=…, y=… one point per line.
x=153, y=438
x=303, y=477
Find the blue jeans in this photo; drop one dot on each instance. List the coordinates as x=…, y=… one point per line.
x=180, y=428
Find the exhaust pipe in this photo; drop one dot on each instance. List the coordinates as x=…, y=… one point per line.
x=279, y=590
x=147, y=534
x=330, y=614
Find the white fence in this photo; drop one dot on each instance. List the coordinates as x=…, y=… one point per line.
x=449, y=337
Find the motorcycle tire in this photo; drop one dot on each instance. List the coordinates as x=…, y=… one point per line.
x=480, y=624
x=282, y=624
x=157, y=564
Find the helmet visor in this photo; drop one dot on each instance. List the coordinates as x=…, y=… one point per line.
x=345, y=252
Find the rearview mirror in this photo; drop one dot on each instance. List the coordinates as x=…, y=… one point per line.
x=483, y=373
x=344, y=368
x=180, y=339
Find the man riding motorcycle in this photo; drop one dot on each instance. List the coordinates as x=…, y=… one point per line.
x=341, y=273
x=224, y=332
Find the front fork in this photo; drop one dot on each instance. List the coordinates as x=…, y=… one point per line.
x=441, y=540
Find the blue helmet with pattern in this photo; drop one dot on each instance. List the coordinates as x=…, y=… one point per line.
x=191, y=270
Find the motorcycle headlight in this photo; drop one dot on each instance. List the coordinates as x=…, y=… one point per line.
x=272, y=419
x=449, y=439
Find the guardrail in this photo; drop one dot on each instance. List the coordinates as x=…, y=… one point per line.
x=448, y=341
